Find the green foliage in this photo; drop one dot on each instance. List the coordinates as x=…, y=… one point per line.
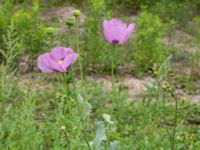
x=28, y=27
x=195, y=54
x=173, y=10
x=135, y=5
x=149, y=47
x=98, y=53
x=39, y=120
x=93, y=32
x=11, y=47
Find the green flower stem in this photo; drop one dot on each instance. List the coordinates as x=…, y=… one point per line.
x=164, y=107
x=112, y=69
x=50, y=42
x=78, y=49
x=64, y=80
x=173, y=135
x=78, y=108
x=68, y=39
x=113, y=96
x=175, y=120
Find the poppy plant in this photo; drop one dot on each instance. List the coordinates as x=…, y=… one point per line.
x=58, y=60
x=116, y=32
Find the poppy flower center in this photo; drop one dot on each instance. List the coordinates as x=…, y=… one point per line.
x=60, y=62
x=115, y=41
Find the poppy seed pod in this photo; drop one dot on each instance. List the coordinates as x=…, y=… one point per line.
x=50, y=30
x=70, y=22
x=76, y=13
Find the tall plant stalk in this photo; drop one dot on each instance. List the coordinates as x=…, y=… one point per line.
x=66, y=91
x=78, y=48
x=112, y=72
x=79, y=109
x=68, y=33
x=175, y=120
x=171, y=135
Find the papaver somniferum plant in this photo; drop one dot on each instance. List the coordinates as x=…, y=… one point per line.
x=116, y=32
x=59, y=59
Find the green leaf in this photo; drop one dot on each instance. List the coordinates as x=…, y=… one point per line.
x=100, y=136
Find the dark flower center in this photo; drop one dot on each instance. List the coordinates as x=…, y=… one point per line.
x=115, y=41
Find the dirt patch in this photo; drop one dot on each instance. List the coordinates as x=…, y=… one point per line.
x=195, y=99
x=35, y=81
x=62, y=13
x=105, y=80
x=181, y=40
x=135, y=87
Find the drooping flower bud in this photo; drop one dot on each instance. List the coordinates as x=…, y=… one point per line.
x=76, y=13
x=70, y=21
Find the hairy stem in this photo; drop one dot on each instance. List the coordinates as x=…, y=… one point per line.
x=164, y=109
x=80, y=112
x=175, y=120
x=68, y=33
x=64, y=80
x=112, y=72
x=78, y=49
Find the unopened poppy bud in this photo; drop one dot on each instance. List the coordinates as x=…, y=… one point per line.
x=70, y=22
x=76, y=13
x=50, y=30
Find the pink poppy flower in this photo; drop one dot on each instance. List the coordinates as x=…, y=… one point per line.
x=58, y=60
x=117, y=32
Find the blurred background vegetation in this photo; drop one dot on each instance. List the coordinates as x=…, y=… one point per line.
x=154, y=20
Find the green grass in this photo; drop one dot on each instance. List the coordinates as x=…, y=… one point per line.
x=34, y=119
